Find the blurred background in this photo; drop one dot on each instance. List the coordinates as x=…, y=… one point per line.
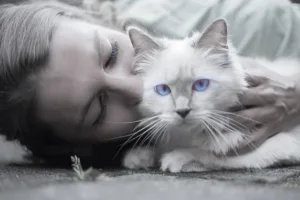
x=267, y=28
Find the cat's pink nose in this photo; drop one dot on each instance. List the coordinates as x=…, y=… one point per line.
x=183, y=112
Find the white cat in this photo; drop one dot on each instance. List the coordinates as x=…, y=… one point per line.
x=190, y=87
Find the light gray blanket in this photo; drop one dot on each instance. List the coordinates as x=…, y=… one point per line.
x=268, y=28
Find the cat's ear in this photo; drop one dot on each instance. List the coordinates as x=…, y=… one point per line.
x=141, y=40
x=215, y=36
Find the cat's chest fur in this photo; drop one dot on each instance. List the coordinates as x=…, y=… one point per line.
x=210, y=141
x=182, y=137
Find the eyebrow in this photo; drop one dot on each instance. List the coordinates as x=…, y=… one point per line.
x=97, y=45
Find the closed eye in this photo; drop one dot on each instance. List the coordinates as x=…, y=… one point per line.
x=113, y=56
x=103, y=58
x=95, y=110
x=101, y=114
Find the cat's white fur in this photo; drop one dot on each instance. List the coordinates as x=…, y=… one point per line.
x=184, y=144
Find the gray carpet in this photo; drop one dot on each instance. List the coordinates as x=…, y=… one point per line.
x=35, y=182
x=31, y=182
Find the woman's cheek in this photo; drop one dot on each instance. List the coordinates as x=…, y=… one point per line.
x=119, y=120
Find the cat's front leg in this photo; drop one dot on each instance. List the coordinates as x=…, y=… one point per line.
x=140, y=158
x=182, y=160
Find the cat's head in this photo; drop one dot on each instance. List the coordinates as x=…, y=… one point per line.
x=190, y=80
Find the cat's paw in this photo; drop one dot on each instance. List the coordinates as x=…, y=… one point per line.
x=139, y=158
x=175, y=160
x=193, y=166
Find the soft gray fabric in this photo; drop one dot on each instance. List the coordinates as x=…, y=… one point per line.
x=269, y=28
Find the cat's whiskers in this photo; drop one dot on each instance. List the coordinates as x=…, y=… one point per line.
x=224, y=121
x=145, y=130
x=207, y=131
x=219, y=132
x=216, y=126
x=217, y=123
x=230, y=121
x=228, y=127
x=135, y=135
x=145, y=121
x=155, y=126
x=155, y=134
x=164, y=137
x=130, y=134
x=236, y=115
x=152, y=132
x=130, y=122
x=234, y=125
x=210, y=131
x=162, y=133
x=245, y=135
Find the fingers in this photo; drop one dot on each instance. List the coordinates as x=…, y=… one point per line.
x=264, y=91
x=258, y=96
x=258, y=115
x=254, y=81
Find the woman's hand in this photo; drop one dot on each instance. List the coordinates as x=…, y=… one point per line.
x=270, y=100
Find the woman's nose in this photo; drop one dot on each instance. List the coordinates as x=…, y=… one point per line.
x=129, y=87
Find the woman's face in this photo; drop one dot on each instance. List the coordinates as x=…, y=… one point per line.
x=87, y=91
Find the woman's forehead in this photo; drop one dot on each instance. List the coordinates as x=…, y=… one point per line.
x=81, y=28
x=73, y=32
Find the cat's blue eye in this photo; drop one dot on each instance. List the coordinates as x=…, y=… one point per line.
x=162, y=89
x=200, y=85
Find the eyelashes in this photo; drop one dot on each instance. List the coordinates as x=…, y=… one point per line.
x=114, y=54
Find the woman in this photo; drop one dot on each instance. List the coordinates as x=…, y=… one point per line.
x=66, y=82
x=62, y=75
